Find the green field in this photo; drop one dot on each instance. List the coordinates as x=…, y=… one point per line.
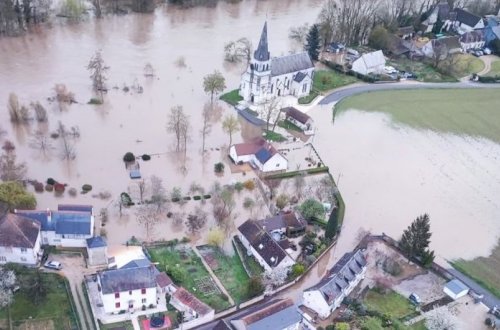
x=470, y=112
x=390, y=303
x=495, y=69
x=119, y=325
x=54, y=310
x=467, y=65
x=232, y=97
x=484, y=270
x=325, y=80
x=425, y=72
x=187, y=270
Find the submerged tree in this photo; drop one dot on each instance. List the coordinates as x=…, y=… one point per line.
x=158, y=194
x=98, y=71
x=299, y=33
x=214, y=84
x=41, y=142
x=178, y=123
x=10, y=169
x=207, y=126
x=14, y=194
x=148, y=216
x=40, y=112
x=235, y=51
x=416, y=237
x=195, y=222
x=230, y=125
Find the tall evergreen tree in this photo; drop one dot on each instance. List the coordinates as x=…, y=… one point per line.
x=416, y=237
x=312, y=44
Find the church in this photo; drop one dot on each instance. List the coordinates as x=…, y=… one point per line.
x=268, y=77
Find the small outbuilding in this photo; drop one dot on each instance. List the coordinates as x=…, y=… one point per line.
x=455, y=289
x=97, y=250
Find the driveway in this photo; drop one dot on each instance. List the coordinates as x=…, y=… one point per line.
x=74, y=269
x=487, y=60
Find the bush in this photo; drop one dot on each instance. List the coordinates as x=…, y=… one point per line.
x=86, y=187
x=49, y=187
x=146, y=157
x=72, y=192
x=219, y=167
x=38, y=186
x=238, y=186
x=207, y=196
x=128, y=157
x=197, y=197
x=51, y=181
x=330, y=327
x=143, y=307
x=187, y=198
x=125, y=199
x=95, y=101
x=392, y=267
x=489, y=80
x=59, y=188
x=249, y=185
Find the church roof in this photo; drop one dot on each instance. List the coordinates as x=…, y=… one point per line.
x=262, y=52
x=290, y=63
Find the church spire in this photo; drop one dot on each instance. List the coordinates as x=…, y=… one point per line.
x=262, y=52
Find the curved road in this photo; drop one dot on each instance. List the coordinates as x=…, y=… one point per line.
x=338, y=95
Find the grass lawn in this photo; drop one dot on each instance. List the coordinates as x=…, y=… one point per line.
x=191, y=270
x=325, y=80
x=286, y=124
x=231, y=273
x=467, y=65
x=252, y=265
x=390, y=303
x=309, y=98
x=273, y=136
x=374, y=323
x=495, y=69
x=424, y=71
x=231, y=97
x=462, y=112
x=118, y=325
x=484, y=270
x=54, y=310
x=418, y=326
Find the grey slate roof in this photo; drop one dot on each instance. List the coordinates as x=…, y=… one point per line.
x=262, y=243
x=136, y=264
x=96, y=242
x=120, y=280
x=298, y=115
x=467, y=18
x=290, y=63
x=262, y=51
x=279, y=315
x=299, y=77
x=18, y=231
x=344, y=271
x=456, y=286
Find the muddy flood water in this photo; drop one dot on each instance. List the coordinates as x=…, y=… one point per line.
x=390, y=173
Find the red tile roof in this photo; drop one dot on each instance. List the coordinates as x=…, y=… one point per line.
x=163, y=280
x=191, y=301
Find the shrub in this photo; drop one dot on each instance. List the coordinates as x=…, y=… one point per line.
x=146, y=157
x=248, y=203
x=129, y=157
x=151, y=306
x=95, y=102
x=224, y=297
x=185, y=240
x=281, y=201
x=51, y=181
x=49, y=187
x=392, y=267
x=197, y=197
x=59, y=188
x=86, y=188
x=298, y=269
x=72, y=192
x=238, y=186
x=249, y=185
x=125, y=199
x=219, y=167
x=330, y=327
x=187, y=198
x=207, y=196
x=38, y=186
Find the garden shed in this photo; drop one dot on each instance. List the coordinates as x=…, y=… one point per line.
x=455, y=289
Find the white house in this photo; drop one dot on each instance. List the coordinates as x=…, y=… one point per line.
x=259, y=243
x=300, y=119
x=455, y=289
x=195, y=311
x=268, y=77
x=327, y=295
x=69, y=226
x=441, y=12
x=281, y=314
x=97, y=251
x=466, y=21
x=19, y=240
x=472, y=40
x=444, y=46
x=260, y=154
x=127, y=289
x=368, y=63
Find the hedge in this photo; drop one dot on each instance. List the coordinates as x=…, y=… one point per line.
x=489, y=80
x=340, y=68
x=286, y=175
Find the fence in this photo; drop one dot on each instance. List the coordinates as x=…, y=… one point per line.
x=74, y=314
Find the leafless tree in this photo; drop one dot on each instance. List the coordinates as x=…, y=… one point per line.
x=274, y=277
x=439, y=53
x=158, y=194
x=270, y=112
x=41, y=142
x=97, y=8
x=196, y=221
x=207, y=126
x=327, y=21
x=142, y=186
x=236, y=51
x=149, y=71
x=40, y=112
x=272, y=184
x=299, y=33
x=440, y=319
x=18, y=113
x=67, y=149
x=98, y=71
x=10, y=169
x=299, y=182
x=223, y=206
x=178, y=123
x=63, y=96
x=148, y=217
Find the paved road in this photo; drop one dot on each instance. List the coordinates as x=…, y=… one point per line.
x=354, y=90
x=489, y=299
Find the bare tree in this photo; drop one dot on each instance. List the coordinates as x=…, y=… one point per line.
x=274, y=277
x=149, y=71
x=299, y=33
x=223, y=206
x=196, y=221
x=10, y=170
x=235, y=51
x=158, y=194
x=230, y=125
x=299, y=182
x=270, y=112
x=327, y=21
x=40, y=112
x=98, y=71
x=207, y=126
x=142, y=186
x=63, y=96
x=148, y=217
x=178, y=123
x=97, y=8
x=213, y=84
x=7, y=282
x=41, y=142
x=439, y=52
x=67, y=149
x=18, y=113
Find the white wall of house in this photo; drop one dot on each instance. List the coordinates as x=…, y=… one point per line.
x=199, y=321
x=239, y=158
x=24, y=256
x=51, y=238
x=463, y=28
x=314, y=300
x=98, y=256
x=453, y=295
x=472, y=45
x=303, y=127
x=127, y=298
x=276, y=163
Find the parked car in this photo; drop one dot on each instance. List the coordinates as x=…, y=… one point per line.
x=415, y=299
x=353, y=52
x=53, y=265
x=408, y=75
x=486, y=51
x=390, y=69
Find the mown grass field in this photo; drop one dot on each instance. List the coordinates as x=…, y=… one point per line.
x=495, y=69
x=325, y=80
x=471, y=112
x=232, y=97
x=390, y=303
x=424, y=71
x=467, y=65
x=484, y=270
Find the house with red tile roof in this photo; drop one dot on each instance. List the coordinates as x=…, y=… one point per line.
x=260, y=154
x=195, y=311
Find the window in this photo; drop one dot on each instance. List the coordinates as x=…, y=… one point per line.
x=117, y=305
x=131, y=305
x=304, y=88
x=130, y=292
x=23, y=259
x=117, y=295
x=3, y=258
x=24, y=250
x=143, y=291
x=144, y=300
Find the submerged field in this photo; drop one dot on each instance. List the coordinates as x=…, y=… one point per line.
x=464, y=112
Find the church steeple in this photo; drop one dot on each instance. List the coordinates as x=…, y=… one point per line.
x=262, y=52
